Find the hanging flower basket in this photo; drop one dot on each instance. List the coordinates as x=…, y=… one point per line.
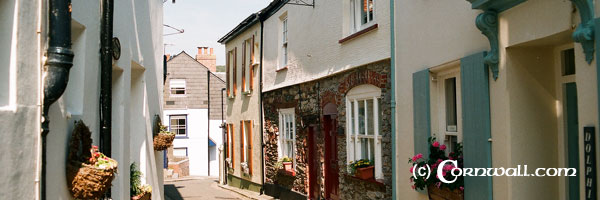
x=89, y=172
x=145, y=196
x=164, y=139
x=444, y=193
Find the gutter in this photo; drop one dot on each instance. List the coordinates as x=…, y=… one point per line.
x=208, y=121
x=59, y=62
x=393, y=101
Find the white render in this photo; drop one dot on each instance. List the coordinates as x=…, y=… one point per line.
x=136, y=97
x=196, y=140
x=313, y=48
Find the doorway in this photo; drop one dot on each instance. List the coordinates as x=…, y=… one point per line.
x=331, y=157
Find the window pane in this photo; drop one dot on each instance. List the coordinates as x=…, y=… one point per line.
x=371, y=149
x=351, y=123
x=370, y=118
x=361, y=117
x=568, y=62
x=363, y=12
x=450, y=87
x=370, y=10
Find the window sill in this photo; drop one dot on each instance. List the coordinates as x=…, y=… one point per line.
x=371, y=181
x=282, y=69
x=181, y=137
x=231, y=97
x=247, y=93
x=359, y=33
x=255, y=65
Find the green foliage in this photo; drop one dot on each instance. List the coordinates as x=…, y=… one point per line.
x=135, y=182
x=362, y=163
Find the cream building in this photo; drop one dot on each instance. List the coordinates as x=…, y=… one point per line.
x=137, y=79
x=243, y=138
x=521, y=93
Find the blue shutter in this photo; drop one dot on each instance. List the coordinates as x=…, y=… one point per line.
x=476, y=123
x=421, y=115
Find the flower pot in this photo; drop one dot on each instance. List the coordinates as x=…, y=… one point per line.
x=287, y=166
x=163, y=141
x=144, y=196
x=444, y=193
x=365, y=173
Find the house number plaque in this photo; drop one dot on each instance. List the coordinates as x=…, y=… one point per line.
x=589, y=151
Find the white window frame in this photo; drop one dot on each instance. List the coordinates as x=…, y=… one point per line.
x=177, y=84
x=284, y=60
x=355, y=16
x=285, y=116
x=171, y=126
x=451, y=70
x=363, y=93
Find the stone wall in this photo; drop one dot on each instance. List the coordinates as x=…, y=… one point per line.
x=308, y=100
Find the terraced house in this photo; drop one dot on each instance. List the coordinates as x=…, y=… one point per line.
x=327, y=98
x=243, y=155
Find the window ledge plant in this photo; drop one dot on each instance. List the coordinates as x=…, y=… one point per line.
x=437, y=189
x=138, y=191
x=285, y=165
x=362, y=169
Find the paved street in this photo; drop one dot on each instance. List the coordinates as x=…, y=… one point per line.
x=197, y=188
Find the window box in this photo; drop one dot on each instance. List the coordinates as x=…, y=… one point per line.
x=365, y=172
x=287, y=166
x=444, y=193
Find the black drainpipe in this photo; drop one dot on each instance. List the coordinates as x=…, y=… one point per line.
x=208, y=118
x=223, y=132
x=262, y=143
x=57, y=66
x=106, y=52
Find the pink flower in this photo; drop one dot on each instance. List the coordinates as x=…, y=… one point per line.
x=417, y=157
x=462, y=188
x=413, y=187
x=438, y=184
x=443, y=147
x=412, y=168
x=436, y=144
x=448, y=167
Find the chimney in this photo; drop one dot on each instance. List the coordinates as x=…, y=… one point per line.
x=168, y=57
x=207, y=58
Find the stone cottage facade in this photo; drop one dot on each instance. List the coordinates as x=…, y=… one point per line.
x=310, y=102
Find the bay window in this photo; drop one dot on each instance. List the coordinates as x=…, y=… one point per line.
x=363, y=117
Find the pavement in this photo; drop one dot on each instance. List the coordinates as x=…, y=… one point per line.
x=198, y=188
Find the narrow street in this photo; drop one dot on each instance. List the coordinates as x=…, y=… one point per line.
x=196, y=188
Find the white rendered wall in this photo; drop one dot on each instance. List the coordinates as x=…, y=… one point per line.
x=314, y=50
x=137, y=86
x=196, y=140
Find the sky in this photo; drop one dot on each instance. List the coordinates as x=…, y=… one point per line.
x=204, y=22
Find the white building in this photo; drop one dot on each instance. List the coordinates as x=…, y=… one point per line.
x=191, y=90
x=136, y=85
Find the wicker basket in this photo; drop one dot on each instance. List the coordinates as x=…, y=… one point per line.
x=163, y=141
x=85, y=181
x=145, y=196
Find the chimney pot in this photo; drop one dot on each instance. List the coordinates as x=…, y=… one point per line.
x=199, y=50
x=211, y=51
